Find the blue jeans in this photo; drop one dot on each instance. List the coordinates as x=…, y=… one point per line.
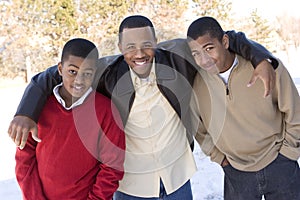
x=183, y=193
x=280, y=180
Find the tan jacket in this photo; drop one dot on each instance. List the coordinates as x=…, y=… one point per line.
x=239, y=123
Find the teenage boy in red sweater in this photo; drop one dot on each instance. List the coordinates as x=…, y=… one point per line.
x=81, y=152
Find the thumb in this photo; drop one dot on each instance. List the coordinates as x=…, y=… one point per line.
x=252, y=80
x=34, y=134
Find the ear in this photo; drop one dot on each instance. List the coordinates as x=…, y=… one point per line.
x=225, y=41
x=59, y=68
x=120, y=47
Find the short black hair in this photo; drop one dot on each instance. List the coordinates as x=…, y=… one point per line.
x=203, y=26
x=135, y=21
x=79, y=47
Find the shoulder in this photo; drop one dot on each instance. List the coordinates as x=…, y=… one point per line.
x=244, y=63
x=110, y=61
x=177, y=48
x=100, y=98
x=174, y=44
x=281, y=68
x=107, y=60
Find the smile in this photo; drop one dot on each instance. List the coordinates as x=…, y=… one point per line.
x=140, y=62
x=143, y=62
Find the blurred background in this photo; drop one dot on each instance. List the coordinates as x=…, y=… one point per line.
x=32, y=33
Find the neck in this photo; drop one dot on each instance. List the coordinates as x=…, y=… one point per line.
x=66, y=96
x=230, y=56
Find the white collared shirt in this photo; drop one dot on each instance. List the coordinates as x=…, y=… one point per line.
x=225, y=75
x=156, y=144
x=74, y=104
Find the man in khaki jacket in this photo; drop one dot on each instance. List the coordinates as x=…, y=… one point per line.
x=256, y=140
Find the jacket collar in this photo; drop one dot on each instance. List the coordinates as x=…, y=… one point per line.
x=163, y=72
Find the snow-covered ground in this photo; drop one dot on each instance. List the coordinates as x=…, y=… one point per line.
x=207, y=183
x=10, y=96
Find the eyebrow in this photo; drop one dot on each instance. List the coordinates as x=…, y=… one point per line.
x=144, y=42
x=210, y=43
x=72, y=65
x=130, y=44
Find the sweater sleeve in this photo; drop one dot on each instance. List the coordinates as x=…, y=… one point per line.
x=289, y=104
x=27, y=172
x=249, y=49
x=203, y=138
x=207, y=145
x=37, y=92
x=112, y=155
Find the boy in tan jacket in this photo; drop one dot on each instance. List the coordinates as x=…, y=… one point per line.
x=255, y=139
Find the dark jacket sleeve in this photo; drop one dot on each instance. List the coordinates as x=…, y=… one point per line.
x=249, y=49
x=37, y=93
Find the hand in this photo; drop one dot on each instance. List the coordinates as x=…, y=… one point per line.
x=224, y=162
x=19, y=129
x=266, y=73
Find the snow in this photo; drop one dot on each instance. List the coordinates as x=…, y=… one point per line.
x=10, y=97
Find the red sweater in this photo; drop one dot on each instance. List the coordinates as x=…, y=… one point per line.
x=80, y=156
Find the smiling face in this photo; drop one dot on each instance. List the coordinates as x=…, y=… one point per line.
x=211, y=54
x=138, y=47
x=78, y=75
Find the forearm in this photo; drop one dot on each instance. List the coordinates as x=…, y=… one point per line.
x=37, y=93
x=27, y=172
x=249, y=49
x=289, y=104
x=107, y=182
x=207, y=146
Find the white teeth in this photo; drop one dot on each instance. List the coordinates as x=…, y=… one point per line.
x=77, y=87
x=140, y=63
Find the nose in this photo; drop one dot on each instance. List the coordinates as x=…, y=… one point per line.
x=204, y=59
x=139, y=52
x=79, y=79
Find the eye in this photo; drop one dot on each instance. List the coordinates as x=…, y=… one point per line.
x=209, y=49
x=88, y=74
x=131, y=47
x=72, y=72
x=148, y=45
x=195, y=54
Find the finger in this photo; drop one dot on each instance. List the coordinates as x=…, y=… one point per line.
x=23, y=139
x=267, y=89
x=252, y=80
x=270, y=85
x=17, y=137
x=273, y=81
x=13, y=135
x=11, y=131
x=34, y=134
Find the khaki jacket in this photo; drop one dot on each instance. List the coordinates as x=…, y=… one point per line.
x=239, y=123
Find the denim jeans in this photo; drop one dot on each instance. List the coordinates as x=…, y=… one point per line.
x=280, y=180
x=183, y=193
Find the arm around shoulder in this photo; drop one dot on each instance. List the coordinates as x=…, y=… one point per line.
x=37, y=93
x=249, y=49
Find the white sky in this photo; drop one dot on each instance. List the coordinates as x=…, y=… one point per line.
x=267, y=8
